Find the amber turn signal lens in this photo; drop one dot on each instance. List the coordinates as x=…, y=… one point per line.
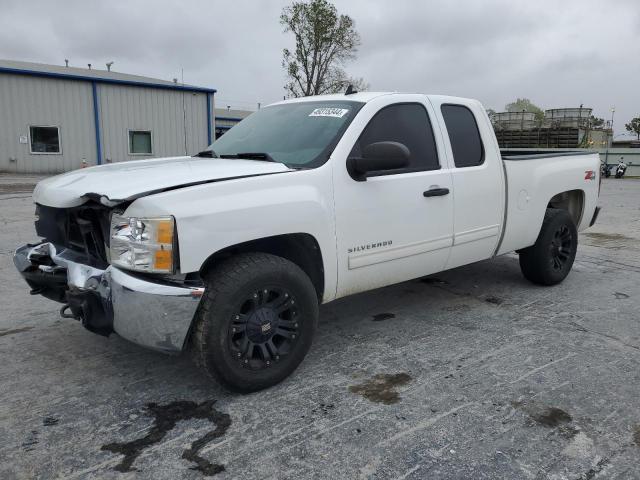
x=162, y=260
x=165, y=231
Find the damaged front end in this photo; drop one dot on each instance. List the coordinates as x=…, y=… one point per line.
x=153, y=312
x=60, y=276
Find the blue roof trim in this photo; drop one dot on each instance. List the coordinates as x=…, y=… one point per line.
x=65, y=76
x=229, y=119
x=96, y=119
x=209, y=139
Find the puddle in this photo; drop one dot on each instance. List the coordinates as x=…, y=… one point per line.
x=381, y=388
x=14, y=331
x=383, y=316
x=165, y=419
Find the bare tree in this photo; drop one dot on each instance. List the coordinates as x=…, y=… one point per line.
x=325, y=41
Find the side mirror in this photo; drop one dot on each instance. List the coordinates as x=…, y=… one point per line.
x=376, y=157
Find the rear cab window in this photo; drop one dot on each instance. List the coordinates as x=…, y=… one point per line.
x=406, y=123
x=464, y=135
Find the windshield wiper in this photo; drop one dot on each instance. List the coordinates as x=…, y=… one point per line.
x=207, y=153
x=252, y=156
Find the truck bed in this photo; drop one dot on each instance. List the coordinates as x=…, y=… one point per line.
x=532, y=184
x=508, y=154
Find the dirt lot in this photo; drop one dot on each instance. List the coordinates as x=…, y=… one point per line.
x=473, y=373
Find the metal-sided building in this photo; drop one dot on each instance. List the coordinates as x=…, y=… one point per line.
x=227, y=118
x=55, y=118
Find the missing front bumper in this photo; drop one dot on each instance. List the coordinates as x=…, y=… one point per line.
x=152, y=313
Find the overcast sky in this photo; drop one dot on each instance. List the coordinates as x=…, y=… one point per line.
x=558, y=53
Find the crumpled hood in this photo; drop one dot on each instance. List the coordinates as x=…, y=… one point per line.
x=121, y=182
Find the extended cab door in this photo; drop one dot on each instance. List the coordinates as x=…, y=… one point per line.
x=398, y=224
x=478, y=179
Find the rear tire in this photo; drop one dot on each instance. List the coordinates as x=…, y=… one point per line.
x=549, y=260
x=256, y=321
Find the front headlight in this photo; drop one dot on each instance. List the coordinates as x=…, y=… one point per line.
x=143, y=244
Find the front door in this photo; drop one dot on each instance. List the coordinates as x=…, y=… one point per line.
x=477, y=180
x=397, y=224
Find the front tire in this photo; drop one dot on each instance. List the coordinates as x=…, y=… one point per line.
x=256, y=321
x=549, y=260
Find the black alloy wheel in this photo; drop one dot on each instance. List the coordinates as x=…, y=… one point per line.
x=560, y=247
x=549, y=260
x=265, y=328
x=255, y=322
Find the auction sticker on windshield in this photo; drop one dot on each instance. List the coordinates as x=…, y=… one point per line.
x=329, y=112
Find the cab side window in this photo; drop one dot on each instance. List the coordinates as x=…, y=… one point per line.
x=464, y=136
x=406, y=123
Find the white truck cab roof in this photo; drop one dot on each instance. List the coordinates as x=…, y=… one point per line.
x=366, y=97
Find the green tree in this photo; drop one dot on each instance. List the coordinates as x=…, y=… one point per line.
x=634, y=126
x=325, y=42
x=525, y=105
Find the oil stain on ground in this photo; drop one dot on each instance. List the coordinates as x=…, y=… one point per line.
x=31, y=441
x=50, y=421
x=379, y=317
x=382, y=387
x=324, y=408
x=494, y=300
x=551, y=417
x=546, y=416
x=165, y=419
x=14, y=331
x=463, y=307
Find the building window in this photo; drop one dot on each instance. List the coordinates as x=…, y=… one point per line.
x=140, y=142
x=45, y=140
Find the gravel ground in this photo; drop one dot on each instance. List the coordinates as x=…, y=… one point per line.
x=471, y=373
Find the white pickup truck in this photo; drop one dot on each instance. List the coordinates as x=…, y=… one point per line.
x=229, y=253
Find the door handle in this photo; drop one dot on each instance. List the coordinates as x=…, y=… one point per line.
x=436, y=192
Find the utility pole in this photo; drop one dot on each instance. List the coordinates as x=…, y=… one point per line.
x=606, y=156
x=613, y=111
x=522, y=129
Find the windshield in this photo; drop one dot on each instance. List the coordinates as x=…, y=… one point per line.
x=296, y=134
